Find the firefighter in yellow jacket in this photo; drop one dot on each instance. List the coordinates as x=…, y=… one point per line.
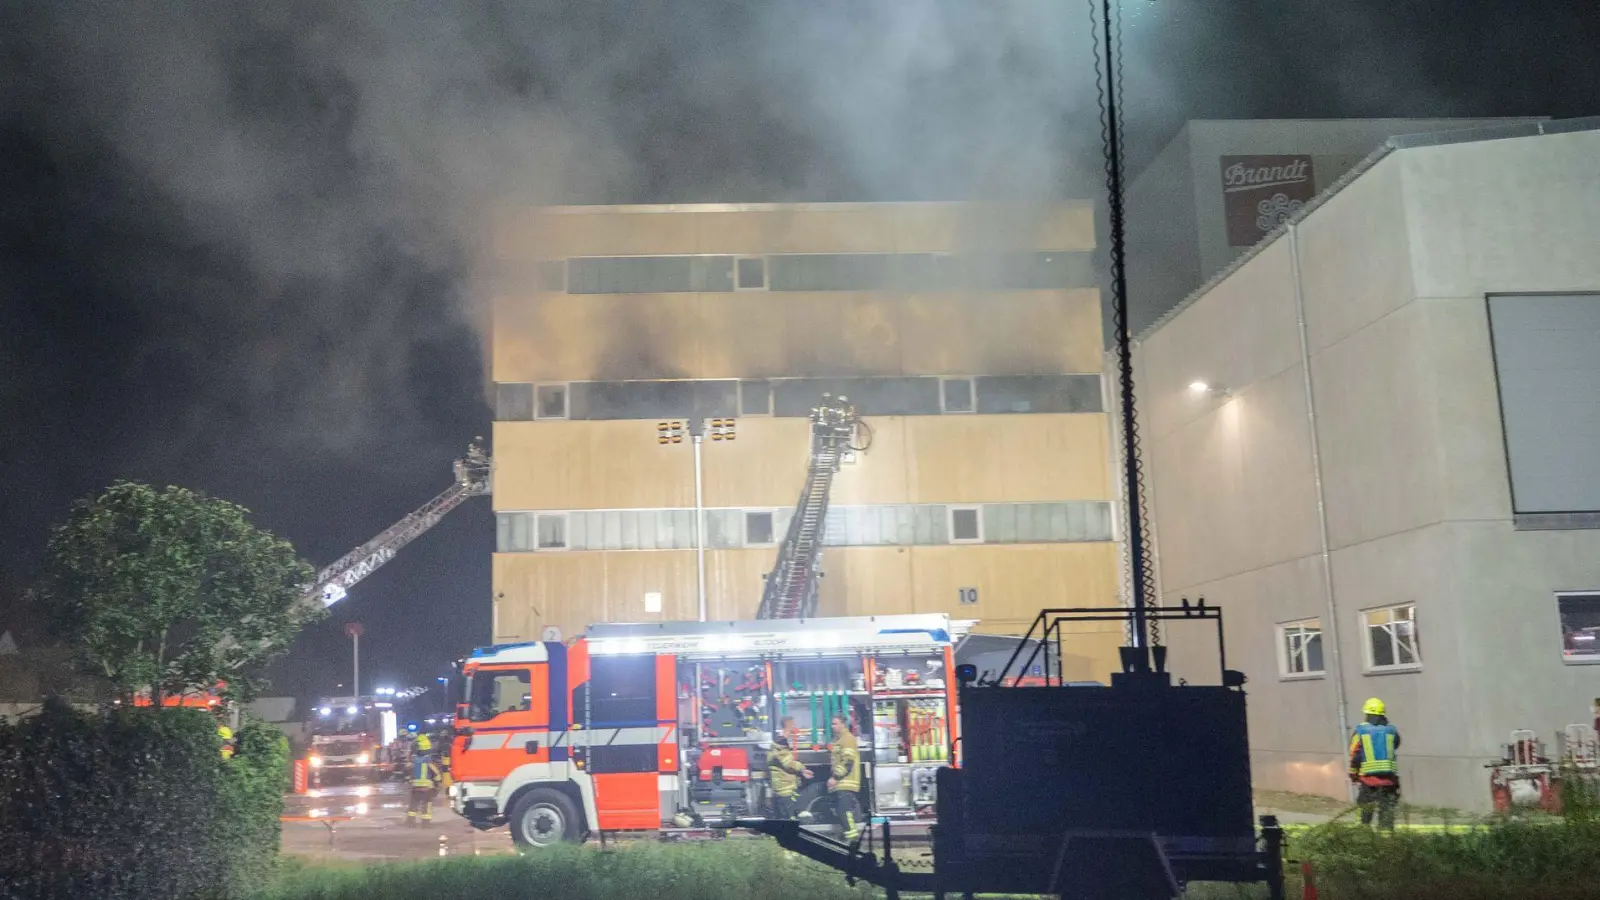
x=784, y=772
x=846, y=780
x=424, y=782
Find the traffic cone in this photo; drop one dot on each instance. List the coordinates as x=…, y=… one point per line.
x=1308, y=884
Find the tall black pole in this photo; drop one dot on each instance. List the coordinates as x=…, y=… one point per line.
x=1119, y=301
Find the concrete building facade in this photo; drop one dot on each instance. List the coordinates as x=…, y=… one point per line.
x=968, y=338
x=1370, y=441
x=1220, y=186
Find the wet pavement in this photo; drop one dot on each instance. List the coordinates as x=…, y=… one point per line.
x=367, y=822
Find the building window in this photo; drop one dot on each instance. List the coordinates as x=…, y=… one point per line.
x=751, y=272
x=1547, y=366
x=1580, y=626
x=550, y=401
x=550, y=530
x=755, y=398
x=966, y=525
x=513, y=402
x=955, y=395
x=1300, y=648
x=758, y=528
x=1391, y=637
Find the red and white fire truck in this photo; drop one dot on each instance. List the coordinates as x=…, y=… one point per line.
x=663, y=726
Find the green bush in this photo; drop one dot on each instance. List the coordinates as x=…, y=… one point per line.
x=135, y=803
x=1530, y=860
x=742, y=869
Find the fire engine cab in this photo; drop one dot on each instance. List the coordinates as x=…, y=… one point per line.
x=666, y=726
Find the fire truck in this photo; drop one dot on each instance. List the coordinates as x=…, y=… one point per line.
x=348, y=738
x=666, y=726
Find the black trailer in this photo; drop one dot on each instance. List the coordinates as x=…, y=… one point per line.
x=1123, y=792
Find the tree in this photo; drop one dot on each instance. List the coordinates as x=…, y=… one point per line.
x=172, y=591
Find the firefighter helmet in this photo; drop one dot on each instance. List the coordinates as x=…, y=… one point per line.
x=1373, y=707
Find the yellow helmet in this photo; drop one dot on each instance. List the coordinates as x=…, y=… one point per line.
x=423, y=743
x=1373, y=707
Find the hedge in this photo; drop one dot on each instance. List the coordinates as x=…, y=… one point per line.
x=136, y=803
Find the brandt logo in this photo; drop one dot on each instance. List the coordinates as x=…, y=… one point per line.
x=1239, y=178
x=1260, y=192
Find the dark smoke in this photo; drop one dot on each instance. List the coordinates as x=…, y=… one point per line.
x=241, y=244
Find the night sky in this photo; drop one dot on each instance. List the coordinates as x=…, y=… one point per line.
x=239, y=246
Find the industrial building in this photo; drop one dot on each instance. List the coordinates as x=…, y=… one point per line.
x=968, y=337
x=1371, y=439
x=1220, y=186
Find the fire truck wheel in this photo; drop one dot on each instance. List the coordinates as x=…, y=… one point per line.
x=543, y=818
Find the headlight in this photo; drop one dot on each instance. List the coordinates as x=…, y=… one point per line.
x=363, y=759
x=316, y=762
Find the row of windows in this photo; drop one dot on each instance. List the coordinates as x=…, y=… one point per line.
x=1390, y=643
x=1031, y=270
x=899, y=525
x=890, y=396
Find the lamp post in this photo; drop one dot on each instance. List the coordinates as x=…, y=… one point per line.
x=354, y=630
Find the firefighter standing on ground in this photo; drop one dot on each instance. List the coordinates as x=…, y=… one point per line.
x=846, y=780
x=1374, y=765
x=424, y=782
x=784, y=772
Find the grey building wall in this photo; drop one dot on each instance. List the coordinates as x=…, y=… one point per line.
x=1365, y=325
x=1177, y=227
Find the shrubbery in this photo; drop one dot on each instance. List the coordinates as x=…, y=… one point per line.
x=136, y=803
x=1532, y=860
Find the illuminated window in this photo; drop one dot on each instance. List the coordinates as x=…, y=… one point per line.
x=1391, y=637
x=1300, y=648
x=1580, y=627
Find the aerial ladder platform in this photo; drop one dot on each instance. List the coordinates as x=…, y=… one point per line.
x=335, y=581
x=791, y=588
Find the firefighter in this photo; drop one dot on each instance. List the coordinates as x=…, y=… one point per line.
x=226, y=733
x=1374, y=765
x=846, y=780
x=784, y=772
x=424, y=782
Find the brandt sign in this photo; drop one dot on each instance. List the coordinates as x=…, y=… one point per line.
x=1260, y=192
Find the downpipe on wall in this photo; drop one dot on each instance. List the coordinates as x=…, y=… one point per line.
x=1331, y=643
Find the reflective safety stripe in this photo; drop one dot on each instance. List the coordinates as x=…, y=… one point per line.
x=577, y=737
x=1374, y=763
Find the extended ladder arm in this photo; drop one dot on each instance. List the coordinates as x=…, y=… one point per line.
x=791, y=588
x=333, y=582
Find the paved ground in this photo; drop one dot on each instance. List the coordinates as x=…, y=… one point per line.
x=367, y=823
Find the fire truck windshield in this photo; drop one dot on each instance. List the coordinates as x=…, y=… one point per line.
x=342, y=721
x=496, y=691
